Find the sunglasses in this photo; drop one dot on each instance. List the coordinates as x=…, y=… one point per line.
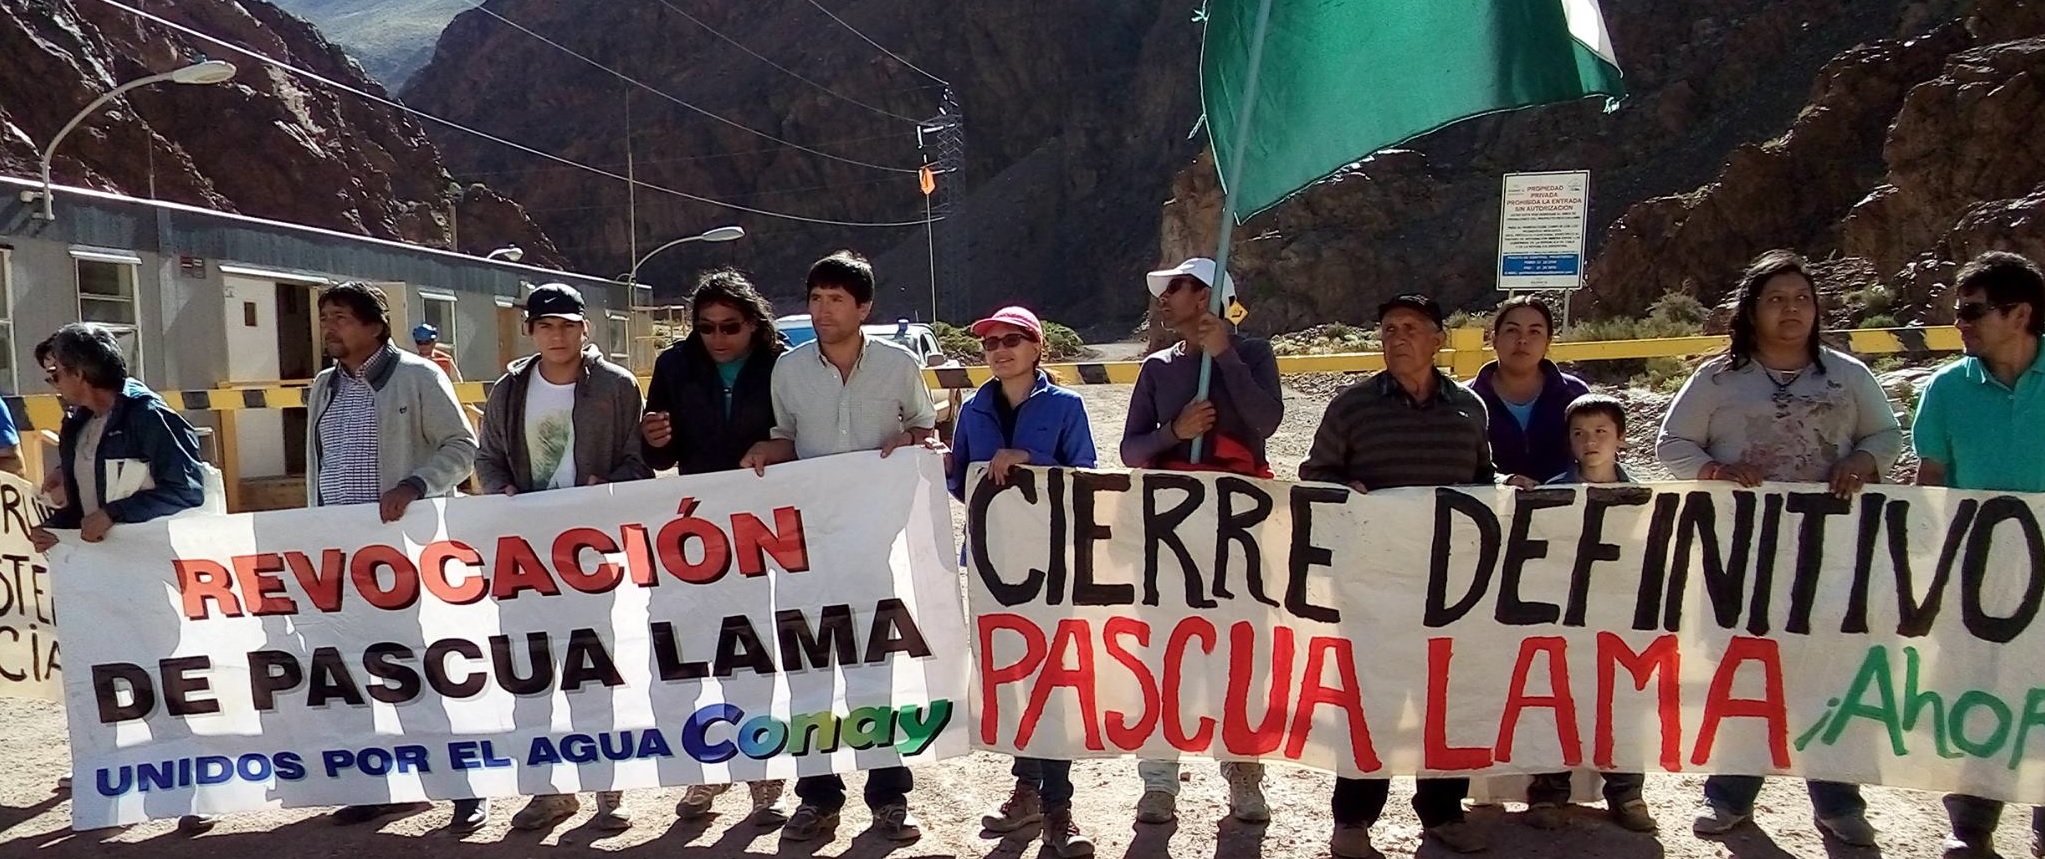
x=1973, y=311
x=1178, y=283
x=50, y=375
x=725, y=328
x=1006, y=341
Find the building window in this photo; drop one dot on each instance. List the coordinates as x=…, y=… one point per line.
x=618, y=335
x=440, y=314
x=8, y=379
x=106, y=291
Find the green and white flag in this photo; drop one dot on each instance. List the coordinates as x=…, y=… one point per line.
x=1341, y=79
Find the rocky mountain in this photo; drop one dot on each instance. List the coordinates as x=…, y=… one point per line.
x=1893, y=135
x=392, y=39
x=266, y=143
x=1076, y=111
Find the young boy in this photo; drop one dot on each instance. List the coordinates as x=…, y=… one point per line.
x=1597, y=430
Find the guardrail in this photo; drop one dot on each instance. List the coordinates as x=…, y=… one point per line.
x=39, y=415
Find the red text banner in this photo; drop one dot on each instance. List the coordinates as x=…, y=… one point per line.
x=1890, y=638
x=713, y=628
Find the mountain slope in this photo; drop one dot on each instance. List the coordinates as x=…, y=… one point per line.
x=392, y=39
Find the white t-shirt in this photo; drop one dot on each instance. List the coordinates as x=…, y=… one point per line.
x=550, y=432
x=85, y=463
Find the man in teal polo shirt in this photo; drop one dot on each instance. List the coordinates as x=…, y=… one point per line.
x=1976, y=428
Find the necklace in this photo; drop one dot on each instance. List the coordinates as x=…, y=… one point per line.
x=1782, y=382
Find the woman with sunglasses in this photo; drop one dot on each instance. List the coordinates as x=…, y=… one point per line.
x=1021, y=418
x=1781, y=406
x=709, y=402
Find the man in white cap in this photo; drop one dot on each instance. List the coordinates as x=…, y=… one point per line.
x=1242, y=410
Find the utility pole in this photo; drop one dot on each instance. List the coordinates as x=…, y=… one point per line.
x=631, y=194
x=943, y=141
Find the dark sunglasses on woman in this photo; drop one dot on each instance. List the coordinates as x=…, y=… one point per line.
x=725, y=328
x=1006, y=341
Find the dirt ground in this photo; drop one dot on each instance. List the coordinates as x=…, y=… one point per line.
x=950, y=797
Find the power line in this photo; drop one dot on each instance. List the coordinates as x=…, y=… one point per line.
x=663, y=94
x=877, y=45
x=318, y=78
x=784, y=69
x=642, y=162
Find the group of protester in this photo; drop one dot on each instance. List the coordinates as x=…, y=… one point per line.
x=386, y=428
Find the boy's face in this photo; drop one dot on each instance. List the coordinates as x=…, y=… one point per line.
x=1595, y=440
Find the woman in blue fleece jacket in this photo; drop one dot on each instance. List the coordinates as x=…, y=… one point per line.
x=1021, y=418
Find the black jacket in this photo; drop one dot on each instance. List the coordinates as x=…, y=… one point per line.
x=140, y=426
x=686, y=386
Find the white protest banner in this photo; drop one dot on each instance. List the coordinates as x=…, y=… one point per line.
x=714, y=628
x=1541, y=230
x=30, y=666
x=1685, y=627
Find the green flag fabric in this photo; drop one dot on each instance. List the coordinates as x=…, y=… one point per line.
x=1341, y=79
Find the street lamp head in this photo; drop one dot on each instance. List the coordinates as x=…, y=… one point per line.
x=508, y=253
x=208, y=72
x=723, y=234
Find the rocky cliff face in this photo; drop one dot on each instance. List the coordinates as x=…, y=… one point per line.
x=1077, y=111
x=265, y=144
x=392, y=39
x=1694, y=173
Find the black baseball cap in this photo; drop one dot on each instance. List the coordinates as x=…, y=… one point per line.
x=1417, y=303
x=558, y=300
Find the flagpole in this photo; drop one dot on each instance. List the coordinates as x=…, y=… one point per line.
x=1234, y=173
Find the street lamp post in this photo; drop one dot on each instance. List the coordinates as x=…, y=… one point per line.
x=208, y=72
x=720, y=234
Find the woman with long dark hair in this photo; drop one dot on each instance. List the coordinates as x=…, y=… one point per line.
x=1781, y=406
x=1525, y=395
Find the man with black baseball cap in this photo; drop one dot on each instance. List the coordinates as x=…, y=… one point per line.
x=563, y=417
x=1408, y=425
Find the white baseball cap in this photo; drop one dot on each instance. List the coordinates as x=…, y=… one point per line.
x=1200, y=268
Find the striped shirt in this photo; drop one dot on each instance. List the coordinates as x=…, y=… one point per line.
x=1376, y=434
x=347, y=435
x=825, y=412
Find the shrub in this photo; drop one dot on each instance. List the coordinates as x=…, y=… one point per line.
x=1879, y=320
x=1334, y=338
x=1673, y=315
x=1061, y=343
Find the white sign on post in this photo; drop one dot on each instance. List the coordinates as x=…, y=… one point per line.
x=1541, y=222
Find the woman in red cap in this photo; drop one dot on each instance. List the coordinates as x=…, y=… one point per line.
x=1021, y=418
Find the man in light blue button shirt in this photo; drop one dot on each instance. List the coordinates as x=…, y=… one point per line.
x=842, y=392
x=1977, y=427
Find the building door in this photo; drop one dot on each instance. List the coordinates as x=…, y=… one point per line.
x=299, y=358
x=510, y=336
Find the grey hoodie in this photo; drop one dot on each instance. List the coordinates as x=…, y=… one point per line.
x=607, y=410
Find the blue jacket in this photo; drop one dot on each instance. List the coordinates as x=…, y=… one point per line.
x=140, y=426
x=1051, y=424
x=1541, y=450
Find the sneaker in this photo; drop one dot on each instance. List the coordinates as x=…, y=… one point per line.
x=545, y=811
x=1156, y=806
x=356, y=814
x=1459, y=837
x=1545, y=815
x=1061, y=835
x=808, y=822
x=1717, y=821
x=469, y=816
x=770, y=807
x=696, y=801
x=197, y=824
x=2037, y=844
x=611, y=815
x=1851, y=829
x=1633, y=815
x=1023, y=808
x=895, y=823
x=1352, y=841
x=1246, y=792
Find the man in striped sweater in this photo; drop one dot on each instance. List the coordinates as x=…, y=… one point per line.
x=1409, y=425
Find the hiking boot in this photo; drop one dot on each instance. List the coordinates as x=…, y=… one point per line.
x=546, y=810
x=355, y=814
x=1633, y=815
x=1023, y=808
x=1970, y=845
x=808, y=822
x=2037, y=844
x=469, y=816
x=197, y=824
x=1246, y=792
x=1062, y=836
x=1851, y=829
x=611, y=815
x=1352, y=841
x=1545, y=815
x=1156, y=806
x=696, y=801
x=1713, y=820
x=1459, y=837
x=895, y=823
x=770, y=808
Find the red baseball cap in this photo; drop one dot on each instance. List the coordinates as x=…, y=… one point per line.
x=1020, y=317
